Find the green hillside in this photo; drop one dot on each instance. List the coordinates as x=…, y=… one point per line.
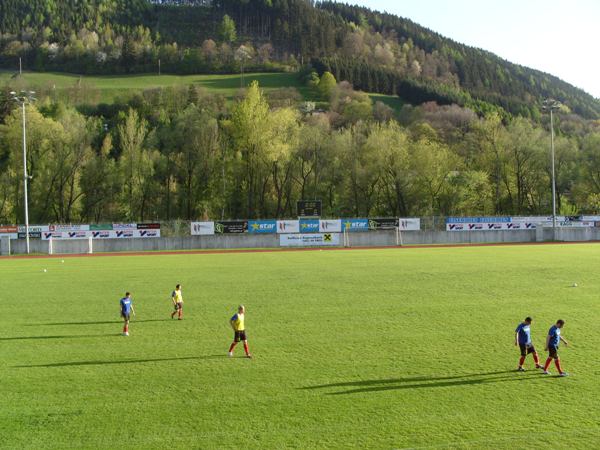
x=376, y=52
x=121, y=87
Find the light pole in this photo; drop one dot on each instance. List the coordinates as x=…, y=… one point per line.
x=23, y=98
x=551, y=105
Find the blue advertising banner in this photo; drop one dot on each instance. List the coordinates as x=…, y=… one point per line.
x=355, y=225
x=262, y=226
x=309, y=225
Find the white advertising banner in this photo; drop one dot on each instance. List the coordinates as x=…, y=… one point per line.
x=202, y=228
x=124, y=226
x=409, y=224
x=68, y=228
x=288, y=226
x=46, y=235
x=310, y=240
x=123, y=234
x=513, y=223
x=100, y=234
x=34, y=228
x=490, y=226
x=330, y=226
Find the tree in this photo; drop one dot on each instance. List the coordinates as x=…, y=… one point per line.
x=100, y=185
x=241, y=55
x=391, y=144
x=326, y=85
x=227, y=31
x=196, y=139
x=136, y=166
x=285, y=129
x=433, y=164
x=70, y=155
x=44, y=136
x=470, y=194
x=249, y=129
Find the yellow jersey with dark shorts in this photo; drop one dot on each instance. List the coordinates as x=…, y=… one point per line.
x=239, y=328
x=177, y=298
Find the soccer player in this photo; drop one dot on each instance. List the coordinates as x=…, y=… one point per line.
x=239, y=330
x=523, y=340
x=177, y=298
x=552, y=341
x=126, y=309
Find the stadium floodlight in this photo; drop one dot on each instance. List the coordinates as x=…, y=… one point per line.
x=24, y=98
x=551, y=105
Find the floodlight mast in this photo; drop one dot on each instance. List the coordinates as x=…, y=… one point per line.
x=551, y=105
x=23, y=98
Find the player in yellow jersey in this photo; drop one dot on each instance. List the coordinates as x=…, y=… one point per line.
x=239, y=330
x=177, y=298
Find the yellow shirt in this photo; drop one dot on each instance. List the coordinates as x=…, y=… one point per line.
x=238, y=322
x=177, y=296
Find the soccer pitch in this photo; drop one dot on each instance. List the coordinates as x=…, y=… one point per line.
x=398, y=348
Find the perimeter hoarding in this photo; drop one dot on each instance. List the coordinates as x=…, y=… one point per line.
x=101, y=234
x=513, y=223
x=383, y=224
x=409, y=224
x=32, y=235
x=11, y=231
x=262, y=226
x=101, y=227
x=354, y=225
x=310, y=240
x=288, y=226
x=202, y=228
x=309, y=225
x=148, y=226
x=68, y=228
x=231, y=226
x=330, y=226
x=34, y=228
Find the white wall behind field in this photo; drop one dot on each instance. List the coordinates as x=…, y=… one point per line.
x=266, y=241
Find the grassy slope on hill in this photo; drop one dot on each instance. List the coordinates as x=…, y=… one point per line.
x=113, y=87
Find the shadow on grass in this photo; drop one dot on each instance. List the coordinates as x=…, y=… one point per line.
x=121, y=361
x=72, y=336
x=422, y=382
x=94, y=323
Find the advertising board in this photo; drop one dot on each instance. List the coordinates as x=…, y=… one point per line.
x=202, y=228
x=288, y=226
x=262, y=226
x=309, y=240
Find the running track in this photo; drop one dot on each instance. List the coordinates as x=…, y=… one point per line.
x=279, y=249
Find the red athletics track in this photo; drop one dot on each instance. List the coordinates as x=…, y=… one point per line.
x=279, y=249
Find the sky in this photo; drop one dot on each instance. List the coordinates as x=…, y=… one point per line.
x=561, y=37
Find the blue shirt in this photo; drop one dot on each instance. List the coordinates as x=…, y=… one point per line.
x=125, y=305
x=554, y=334
x=524, y=335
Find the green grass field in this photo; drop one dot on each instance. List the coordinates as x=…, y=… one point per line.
x=399, y=348
x=120, y=87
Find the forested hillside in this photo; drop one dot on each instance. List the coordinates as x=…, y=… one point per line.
x=375, y=52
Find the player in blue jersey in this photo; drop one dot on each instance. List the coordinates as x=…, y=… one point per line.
x=126, y=305
x=523, y=340
x=552, y=342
